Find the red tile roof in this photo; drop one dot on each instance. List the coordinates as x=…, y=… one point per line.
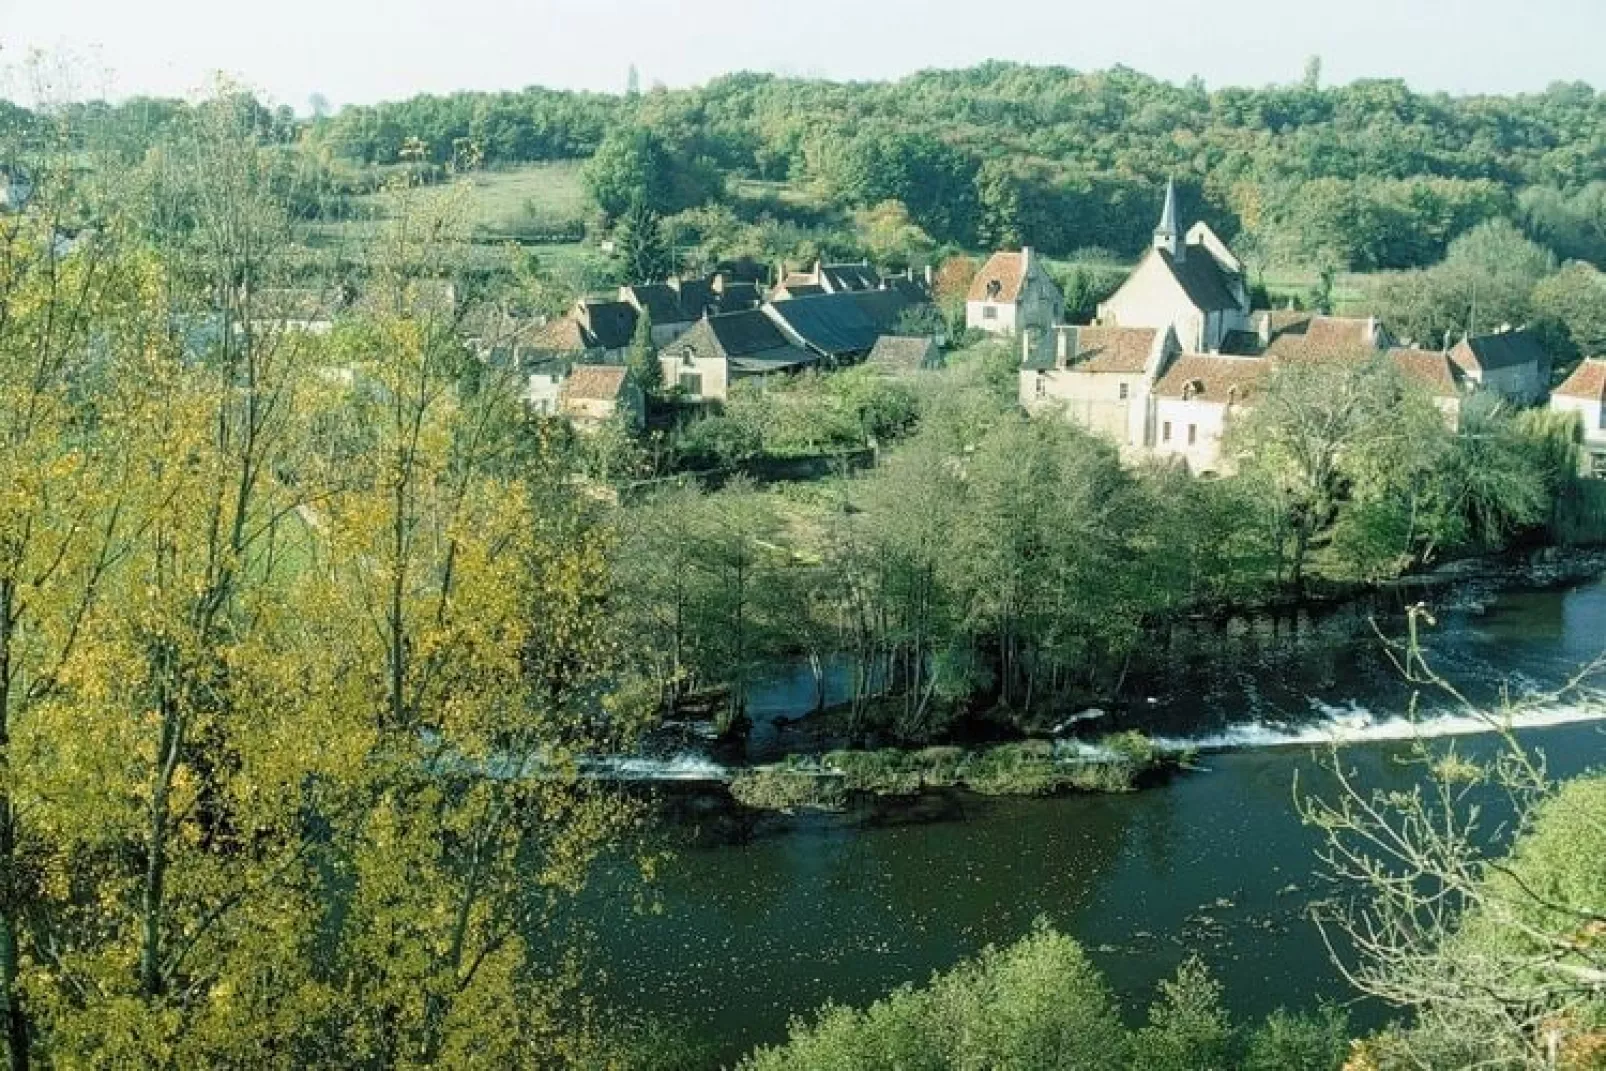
x=1431, y=369
x=1588, y=381
x=1322, y=337
x=1008, y=271
x=1111, y=349
x=1212, y=378
x=595, y=382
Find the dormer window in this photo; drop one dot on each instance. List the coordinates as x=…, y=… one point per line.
x=994, y=288
x=1191, y=388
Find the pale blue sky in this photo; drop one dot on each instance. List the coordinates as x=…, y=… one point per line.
x=365, y=50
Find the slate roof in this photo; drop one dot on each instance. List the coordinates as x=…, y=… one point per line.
x=1216, y=379
x=1508, y=349
x=610, y=324
x=841, y=277
x=595, y=382
x=905, y=353
x=736, y=296
x=835, y=325
x=1588, y=381
x=1201, y=278
x=747, y=339
x=660, y=301
x=1431, y=369
x=1110, y=349
x=999, y=280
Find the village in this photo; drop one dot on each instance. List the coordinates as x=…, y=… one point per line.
x=1168, y=361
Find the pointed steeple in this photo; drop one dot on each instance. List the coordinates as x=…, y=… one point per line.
x=1168, y=235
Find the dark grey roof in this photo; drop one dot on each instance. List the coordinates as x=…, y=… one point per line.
x=1507, y=349
x=842, y=277
x=737, y=296
x=836, y=325
x=749, y=340
x=660, y=301
x=611, y=324
x=885, y=307
x=1201, y=278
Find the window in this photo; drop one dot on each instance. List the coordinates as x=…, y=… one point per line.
x=1193, y=434
x=1042, y=385
x=692, y=384
x=988, y=312
x=1123, y=392
x=1165, y=432
x=1597, y=466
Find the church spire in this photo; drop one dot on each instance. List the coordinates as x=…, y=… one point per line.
x=1168, y=235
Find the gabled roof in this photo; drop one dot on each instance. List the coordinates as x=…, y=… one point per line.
x=659, y=300
x=1507, y=349
x=1201, y=278
x=742, y=338
x=611, y=324
x=736, y=296
x=841, y=325
x=1588, y=381
x=1000, y=279
x=563, y=335
x=595, y=382
x=1430, y=369
x=905, y=353
x=1323, y=337
x=1208, y=378
x=1109, y=349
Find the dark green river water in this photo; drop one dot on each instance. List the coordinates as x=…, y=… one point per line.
x=1214, y=862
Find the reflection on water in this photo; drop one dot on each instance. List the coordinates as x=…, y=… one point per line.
x=1216, y=862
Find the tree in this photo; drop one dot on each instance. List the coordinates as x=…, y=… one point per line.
x=892, y=238
x=1575, y=298
x=1488, y=932
x=644, y=256
x=643, y=357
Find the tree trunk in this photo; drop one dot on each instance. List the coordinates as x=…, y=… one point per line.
x=16, y=1021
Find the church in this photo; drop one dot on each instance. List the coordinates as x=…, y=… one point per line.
x=1191, y=283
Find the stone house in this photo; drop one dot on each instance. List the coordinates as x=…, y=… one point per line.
x=1101, y=377
x=1195, y=401
x=1584, y=393
x=719, y=350
x=1013, y=294
x=594, y=394
x=599, y=332
x=1510, y=363
x=1191, y=283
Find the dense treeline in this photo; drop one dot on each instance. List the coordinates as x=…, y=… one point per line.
x=995, y=565
x=1366, y=176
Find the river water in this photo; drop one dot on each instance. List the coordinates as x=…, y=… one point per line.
x=1214, y=862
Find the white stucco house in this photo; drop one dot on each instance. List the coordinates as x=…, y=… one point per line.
x=1584, y=393
x=1190, y=283
x=1013, y=294
x=1101, y=377
x=1195, y=402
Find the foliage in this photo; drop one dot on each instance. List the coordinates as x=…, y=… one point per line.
x=644, y=256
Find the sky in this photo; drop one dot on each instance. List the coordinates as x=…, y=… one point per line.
x=361, y=51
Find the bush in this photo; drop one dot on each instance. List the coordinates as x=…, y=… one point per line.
x=786, y=788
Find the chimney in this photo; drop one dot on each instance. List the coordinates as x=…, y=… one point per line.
x=1371, y=330
x=1263, y=327
x=1025, y=260
x=928, y=277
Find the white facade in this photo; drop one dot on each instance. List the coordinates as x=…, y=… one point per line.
x=1192, y=430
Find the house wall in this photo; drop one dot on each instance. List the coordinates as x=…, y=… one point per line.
x=1520, y=383
x=1003, y=323
x=714, y=370
x=542, y=393
x=1041, y=303
x=1092, y=399
x=1150, y=297
x=1209, y=421
x=1592, y=415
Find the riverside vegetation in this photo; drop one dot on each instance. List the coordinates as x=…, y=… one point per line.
x=278, y=610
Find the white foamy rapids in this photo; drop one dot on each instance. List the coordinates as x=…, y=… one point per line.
x=1354, y=724
x=686, y=766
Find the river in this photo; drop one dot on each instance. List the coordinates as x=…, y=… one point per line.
x=1215, y=862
